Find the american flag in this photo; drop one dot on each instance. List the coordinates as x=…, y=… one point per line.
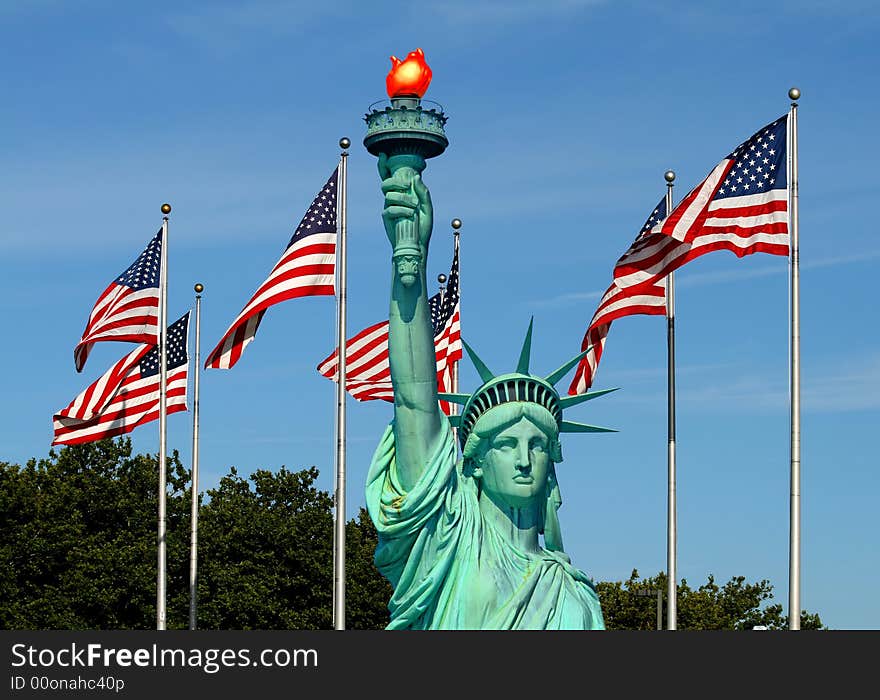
x=741, y=206
x=646, y=298
x=446, y=322
x=368, y=374
x=128, y=309
x=127, y=395
x=307, y=268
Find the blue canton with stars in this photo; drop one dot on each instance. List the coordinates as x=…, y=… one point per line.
x=758, y=164
x=655, y=218
x=144, y=272
x=177, y=334
x=442, y=305
x=321, y=216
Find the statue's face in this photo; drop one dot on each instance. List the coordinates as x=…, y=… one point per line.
x=514, y=468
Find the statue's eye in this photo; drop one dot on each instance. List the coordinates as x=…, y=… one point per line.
x=539, y=447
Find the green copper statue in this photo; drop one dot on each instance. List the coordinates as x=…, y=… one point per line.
x=460, y=540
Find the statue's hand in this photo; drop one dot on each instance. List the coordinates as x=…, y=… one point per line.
x=407, y=204
x=401, y=206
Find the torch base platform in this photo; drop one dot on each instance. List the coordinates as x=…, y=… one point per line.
x=405, y=127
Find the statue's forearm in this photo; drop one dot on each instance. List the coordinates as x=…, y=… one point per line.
x=412, y=358
x=411, y=345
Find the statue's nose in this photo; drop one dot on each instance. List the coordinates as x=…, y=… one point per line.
x=522, y=457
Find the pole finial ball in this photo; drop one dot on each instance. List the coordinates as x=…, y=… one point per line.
x=456, y=224
x=669, y=176
x=794, y=94
x=344, y=142
x=166, y=208
x=441, y=278
x=198, y=287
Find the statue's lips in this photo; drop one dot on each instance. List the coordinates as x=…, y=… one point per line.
x=523, y=479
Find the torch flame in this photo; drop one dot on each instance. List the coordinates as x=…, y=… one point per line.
x=409, y=77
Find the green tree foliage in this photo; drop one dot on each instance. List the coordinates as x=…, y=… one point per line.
x=264, y=553
x=78, y=538
x=266, y=557
x=367, y=591
x=737, y=605
x=78, y=551
x=78, y=547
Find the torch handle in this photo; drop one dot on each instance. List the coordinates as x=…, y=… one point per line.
x=406, y=233
x=408, y=248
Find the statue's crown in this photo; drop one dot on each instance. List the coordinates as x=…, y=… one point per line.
x=520, y=386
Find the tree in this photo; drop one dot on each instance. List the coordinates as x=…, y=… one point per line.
x=267, y=559
x=737, y=605
x=367, y=591
x=78, y=538
x=78, y=547
x=265, y=554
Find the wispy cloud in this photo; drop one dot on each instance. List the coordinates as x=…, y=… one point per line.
x=569, y=298
x=10, y=10
x=319, y=439
x=855, y=386
x=699, y=279
x=510, y=11
x=652, y=373
x=230, y=26
x=832, y=261
x=686, y=279
x=853, y=8
x=759, y=393
x=839, y=19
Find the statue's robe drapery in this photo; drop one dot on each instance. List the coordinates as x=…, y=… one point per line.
x=451, y=568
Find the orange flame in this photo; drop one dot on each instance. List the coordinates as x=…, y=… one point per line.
x=409, y=77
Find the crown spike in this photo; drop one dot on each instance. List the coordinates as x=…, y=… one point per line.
x=454, y=421
x=484, y=372
x=558, y=374
x=567, y=401
x=568, y=426
x=460, y=399
x=522, y=367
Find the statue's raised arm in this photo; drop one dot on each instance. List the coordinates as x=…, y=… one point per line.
x=408, y=217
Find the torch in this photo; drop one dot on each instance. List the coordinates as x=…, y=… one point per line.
x=403, y=136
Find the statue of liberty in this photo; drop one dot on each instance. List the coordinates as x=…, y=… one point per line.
x=472, y=543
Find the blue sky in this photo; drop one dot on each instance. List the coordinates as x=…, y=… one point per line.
x=563, y=116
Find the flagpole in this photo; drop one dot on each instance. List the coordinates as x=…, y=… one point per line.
x=441, y=280
x=163, y=378
x=794, y=573
x=456, y=233
x=194, y=508
x=671, y=506
x=339, y=522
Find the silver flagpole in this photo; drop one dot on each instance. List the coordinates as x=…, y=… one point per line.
x=456, y=232
x=441, y=279
x=671, y=512
x=163, y=377
x=339, y=524
x=333, y=546
x=794, y=570
x=194, y=508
